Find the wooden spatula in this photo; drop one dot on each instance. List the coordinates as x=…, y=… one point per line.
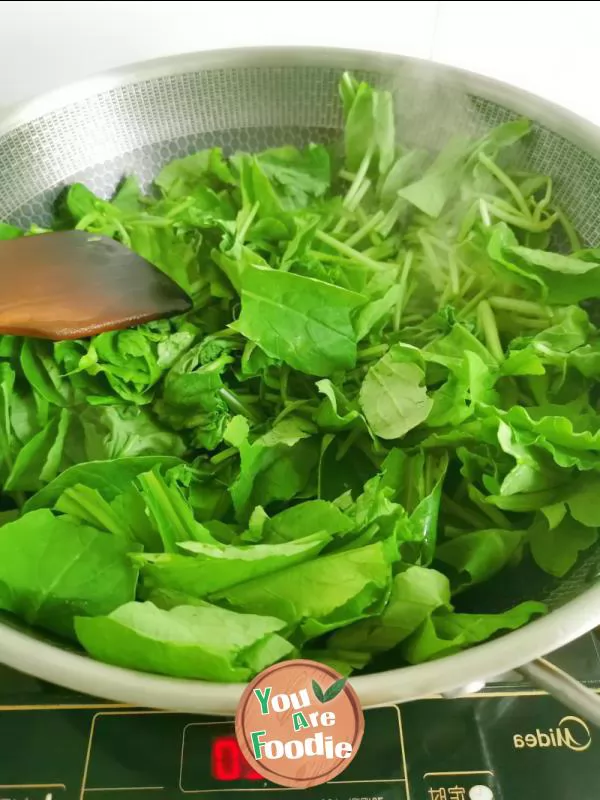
x=72, y=284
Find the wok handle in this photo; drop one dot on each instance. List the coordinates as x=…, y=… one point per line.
x=564, y=688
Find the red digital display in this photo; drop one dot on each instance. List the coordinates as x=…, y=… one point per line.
x=227, y=762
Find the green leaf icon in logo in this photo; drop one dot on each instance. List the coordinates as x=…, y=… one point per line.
x=334, y=690
x=329, y=694
x=318, y=692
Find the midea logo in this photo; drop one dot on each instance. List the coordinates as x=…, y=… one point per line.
x=571, y=732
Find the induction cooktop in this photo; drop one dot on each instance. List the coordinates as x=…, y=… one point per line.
x=509, y=742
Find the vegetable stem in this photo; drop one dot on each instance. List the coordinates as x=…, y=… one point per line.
x=526, y=307
x=467, y=515
x=360, y=176
x=347, y=443
x=489, y=328
x=570, y=232
x=350, y=252
x=235, y=404
x=224, y=455
x=522, y=222
x=359, y=195
x=369, y=353
x=391, y=217
x=244, y=227
x=544, y=202
x=454, y=273
x=485, y=213
x=364, y=229
x=507, y=182
x=402, y=291
x=472, y=304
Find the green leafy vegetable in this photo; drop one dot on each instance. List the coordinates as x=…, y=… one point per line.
x=393, y=397
x=384, y=402
x=344, y=587
x=416, y=593
x=304, y=519
x=52, y=569
x=201, y=642
x=478, y=556
x=110, y=478
x=299, y=320
x=447, y=633
x=208, y=568
x=556, y=548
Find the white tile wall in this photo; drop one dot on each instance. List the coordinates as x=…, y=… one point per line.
x=549, y=48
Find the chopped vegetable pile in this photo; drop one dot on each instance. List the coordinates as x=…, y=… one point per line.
x=385, y=395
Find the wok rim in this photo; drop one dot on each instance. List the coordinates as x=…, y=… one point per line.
x=478, y=665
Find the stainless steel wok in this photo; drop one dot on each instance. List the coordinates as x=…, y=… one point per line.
x=135, y=120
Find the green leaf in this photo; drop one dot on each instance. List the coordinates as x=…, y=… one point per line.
x=112, y=432
x=123, y=363
x=9, y=231
x=304, y=519
x=571, y=442
x=39, y=461
x=393, y=396
x=298, y=175
x=128, y=196
x=582, y=500
x=377, y=311
x=556, y=550
x=110, y=478
x=450, y=350
x=369, y=131
x=53, y=569
x=534, y=470
x=275, y=467
x=170, y=512
x=360, y=125
x=329, y=415
x=432, y=191
x=384, y=132
x=480, y=555
x=209, y=568
x=447, y=633
x=199, y=642
x=553, y=273
x=296, y=249
x=194, y=398
x=43, y=373
x=416, y=593
x=504, y=135
x=469, y=384
x=88, y=506
x=302, y=321
x=343, y=587
x=81, y=202
x=404, y=170
x=420, y=483
x=183, y=176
